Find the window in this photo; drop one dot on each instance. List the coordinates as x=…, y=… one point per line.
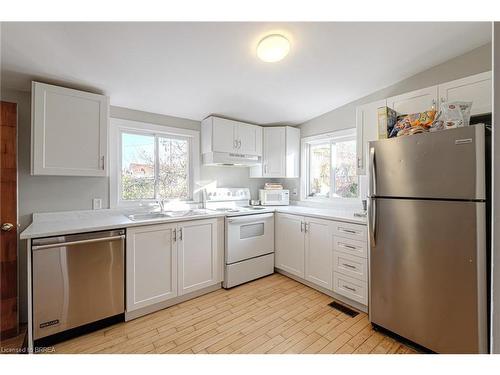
x=152, y=162
x=330, y=166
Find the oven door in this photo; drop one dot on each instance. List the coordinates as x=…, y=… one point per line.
x=249, y=236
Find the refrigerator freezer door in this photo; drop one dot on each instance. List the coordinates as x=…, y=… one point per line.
x=428, y=272
x=447, y=164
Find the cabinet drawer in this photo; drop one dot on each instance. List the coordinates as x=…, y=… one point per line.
x=351, y=288
x=350, y=265
x=348, y=230
x=350, y=246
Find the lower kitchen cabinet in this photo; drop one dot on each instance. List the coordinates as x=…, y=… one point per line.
x=289, y=244
x=326, y=253
x=151, y=266
x=165, y=261
x=318, y=251
x=304, y=248
x=198, y=265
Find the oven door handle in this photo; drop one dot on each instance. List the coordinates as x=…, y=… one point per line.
x=249, y=218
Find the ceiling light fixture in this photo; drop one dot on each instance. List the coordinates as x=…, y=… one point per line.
x=273, y=48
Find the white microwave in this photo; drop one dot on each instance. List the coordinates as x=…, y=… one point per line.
x=274, y=197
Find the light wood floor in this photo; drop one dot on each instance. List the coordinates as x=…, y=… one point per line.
x=270, y=315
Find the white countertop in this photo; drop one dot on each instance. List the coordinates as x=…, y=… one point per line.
x=60, y=223
x=346, y=215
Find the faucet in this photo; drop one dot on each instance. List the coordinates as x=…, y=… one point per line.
x=161, y=204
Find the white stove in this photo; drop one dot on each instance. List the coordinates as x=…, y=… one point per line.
x=233, y=201
x=249, y=245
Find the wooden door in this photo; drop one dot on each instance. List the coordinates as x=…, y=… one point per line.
x=198, y=255
x=289, y=249
x=8, y=213
x=151, y=265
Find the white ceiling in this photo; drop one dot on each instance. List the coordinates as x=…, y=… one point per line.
x=191, y=70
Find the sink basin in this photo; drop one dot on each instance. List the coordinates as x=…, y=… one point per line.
x=185, y=213
x=166, y=214
x=148, y=216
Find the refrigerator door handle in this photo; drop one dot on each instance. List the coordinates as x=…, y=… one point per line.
x=373, y=177
x=372, y=225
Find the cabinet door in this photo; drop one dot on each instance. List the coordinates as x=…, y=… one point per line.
x=151, y=265
x=319, y=252
x=415, y=101
x=198, y=265
x=475, y=89
x=366, y=131
x=289, y=249
x=69, y=131
x=292, y=152
x=274, y=159
x=249, y=139
x=224, y=135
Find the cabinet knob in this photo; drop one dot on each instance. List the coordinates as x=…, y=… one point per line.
x=7, y=227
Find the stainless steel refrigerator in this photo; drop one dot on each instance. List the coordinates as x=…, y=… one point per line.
x=427, y=225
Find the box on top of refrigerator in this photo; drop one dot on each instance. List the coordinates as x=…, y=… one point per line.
x=387, y=118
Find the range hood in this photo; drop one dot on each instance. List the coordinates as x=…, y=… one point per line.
x=230, y=159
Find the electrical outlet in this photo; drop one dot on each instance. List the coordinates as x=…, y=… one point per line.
x=96, y=203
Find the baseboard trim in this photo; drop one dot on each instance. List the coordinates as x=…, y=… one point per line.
x=130, y=315
x=330, y=293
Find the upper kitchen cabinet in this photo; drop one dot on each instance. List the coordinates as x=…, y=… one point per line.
x=414, y=101
x=476, y=89
x=69, y=130
x=281, y=153
x=229, y=136
x=366, y=131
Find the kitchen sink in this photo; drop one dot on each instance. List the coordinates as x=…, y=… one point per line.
x=166, y=214
x=148, y=216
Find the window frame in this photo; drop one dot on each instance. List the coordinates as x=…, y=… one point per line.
x=331, y=138
x=120, y=126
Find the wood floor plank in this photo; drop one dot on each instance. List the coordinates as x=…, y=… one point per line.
x=274, y=314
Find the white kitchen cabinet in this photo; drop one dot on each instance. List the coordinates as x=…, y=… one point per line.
x=366, y=131
x=69, y=130
x=415, y=101
x=318, y=252
x=327, y=253
x=198, y=265
x=476, y=89
x=304, y=248
x=289, y=244
x=165, y=261
x=151, y=272
x=249, y=139
x=230, y=136
x=280, y=154
x=354, y=289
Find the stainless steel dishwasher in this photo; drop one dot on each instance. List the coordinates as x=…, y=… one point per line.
x=77, y=279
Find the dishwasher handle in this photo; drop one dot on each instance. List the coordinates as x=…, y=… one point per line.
x=79, y=242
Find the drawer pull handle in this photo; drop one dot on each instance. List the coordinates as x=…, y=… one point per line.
x=348, y=231
x=349, y=266
x=349, y=288
x=348, y=246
